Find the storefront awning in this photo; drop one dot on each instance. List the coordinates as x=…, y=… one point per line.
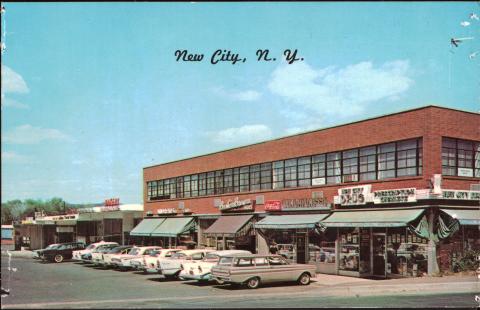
x=228, y=224
x=465, y=217
x=290, y=221
x=370, y=218
x=173, y=226
x=146, y=227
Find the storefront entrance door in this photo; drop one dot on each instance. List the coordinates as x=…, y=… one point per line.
x=379, y=255
x=301, y=248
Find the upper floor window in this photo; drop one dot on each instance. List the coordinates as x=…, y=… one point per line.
x=460, y=157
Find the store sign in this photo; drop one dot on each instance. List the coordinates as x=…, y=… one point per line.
x=395, y=195
x=273, y=205
x=86, y=210
x=318, y=181
x=356, y=195
x=246, y=204
x=112, y=202
x=167, y=211
x=304, y=204
x=109, y=208
x=463, y=195
x=465, y=172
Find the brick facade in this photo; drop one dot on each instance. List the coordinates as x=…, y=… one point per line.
x=431, y=123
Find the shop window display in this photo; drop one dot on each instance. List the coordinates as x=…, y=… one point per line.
x=321, y=246
x=406, y=253
x=349, y=249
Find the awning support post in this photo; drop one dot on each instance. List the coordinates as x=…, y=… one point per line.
x=432, y=247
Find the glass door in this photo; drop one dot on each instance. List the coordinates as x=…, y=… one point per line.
x=301, y=248
x=379, y=253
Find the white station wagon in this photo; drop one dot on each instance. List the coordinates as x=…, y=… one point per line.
x=201, y=270
x=122, y=261
x=171, y=267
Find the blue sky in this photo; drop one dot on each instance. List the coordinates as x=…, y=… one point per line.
x=92, y=92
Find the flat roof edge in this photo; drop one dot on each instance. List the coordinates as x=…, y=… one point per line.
x=315, y=130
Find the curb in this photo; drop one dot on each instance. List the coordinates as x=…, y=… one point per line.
x=18, y=254
x=372, y=290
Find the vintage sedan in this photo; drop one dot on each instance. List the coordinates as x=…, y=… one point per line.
x=201, y=270
x=170, y=268
x=119, y=250
x=97, y=254
x=150, y=262
x=150, y=257
x=61, y=252
x=122, y=261
x=36, y=254
x=252, y=270
x=77, y=255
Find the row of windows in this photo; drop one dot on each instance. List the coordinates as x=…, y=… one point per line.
x=390, y=160
x=460, y=157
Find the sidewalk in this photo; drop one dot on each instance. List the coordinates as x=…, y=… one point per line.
x=17, y=254
x=332, y=285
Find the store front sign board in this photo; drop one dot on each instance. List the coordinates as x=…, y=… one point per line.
x=297, y=204
x=237, y=205
x=353, y=196
x=400, y=195
x=167, y=211
x=459, y=194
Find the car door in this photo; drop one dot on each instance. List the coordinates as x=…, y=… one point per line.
x=263, y=270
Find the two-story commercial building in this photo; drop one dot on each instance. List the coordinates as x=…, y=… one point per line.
x=395, y=195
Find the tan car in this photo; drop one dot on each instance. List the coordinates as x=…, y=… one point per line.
x=252, y=270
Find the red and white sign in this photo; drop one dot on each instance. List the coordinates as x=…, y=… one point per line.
x=112, y=202
x=273, y=205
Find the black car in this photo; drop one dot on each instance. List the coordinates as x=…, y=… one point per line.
x=62, y=251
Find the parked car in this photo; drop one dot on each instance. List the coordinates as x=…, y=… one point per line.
x=36, y=254
x=287, y=250
x=61, y=252
x=97, y=254
x=122, y=261
x=77, y=255
x=107, y=256
x=171, y=267
x=201, y=270
x=150, y=261
x=140, y=262
x=87, y=258
x=252, y=270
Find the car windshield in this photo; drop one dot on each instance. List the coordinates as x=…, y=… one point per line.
x=134, y=251
x=52, y=246
x=91, y=246
x=178, y=256
x=225, y=261
x=211, y=257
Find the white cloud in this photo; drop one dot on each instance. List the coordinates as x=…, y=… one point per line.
x=345, y=91
x=10, y=103
x=27, y=134
x=12, y=82
x=12, y=157
x=241, y=135
x=246, y=95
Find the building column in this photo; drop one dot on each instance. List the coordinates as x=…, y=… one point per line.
x=432, y=246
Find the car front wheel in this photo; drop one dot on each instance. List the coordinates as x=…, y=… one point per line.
x=304, y=279
x=253, y=283
x=58, y=258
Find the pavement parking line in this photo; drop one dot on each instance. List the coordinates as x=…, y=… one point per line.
x=324, y=293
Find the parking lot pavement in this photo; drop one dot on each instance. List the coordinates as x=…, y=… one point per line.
x=74, y=285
